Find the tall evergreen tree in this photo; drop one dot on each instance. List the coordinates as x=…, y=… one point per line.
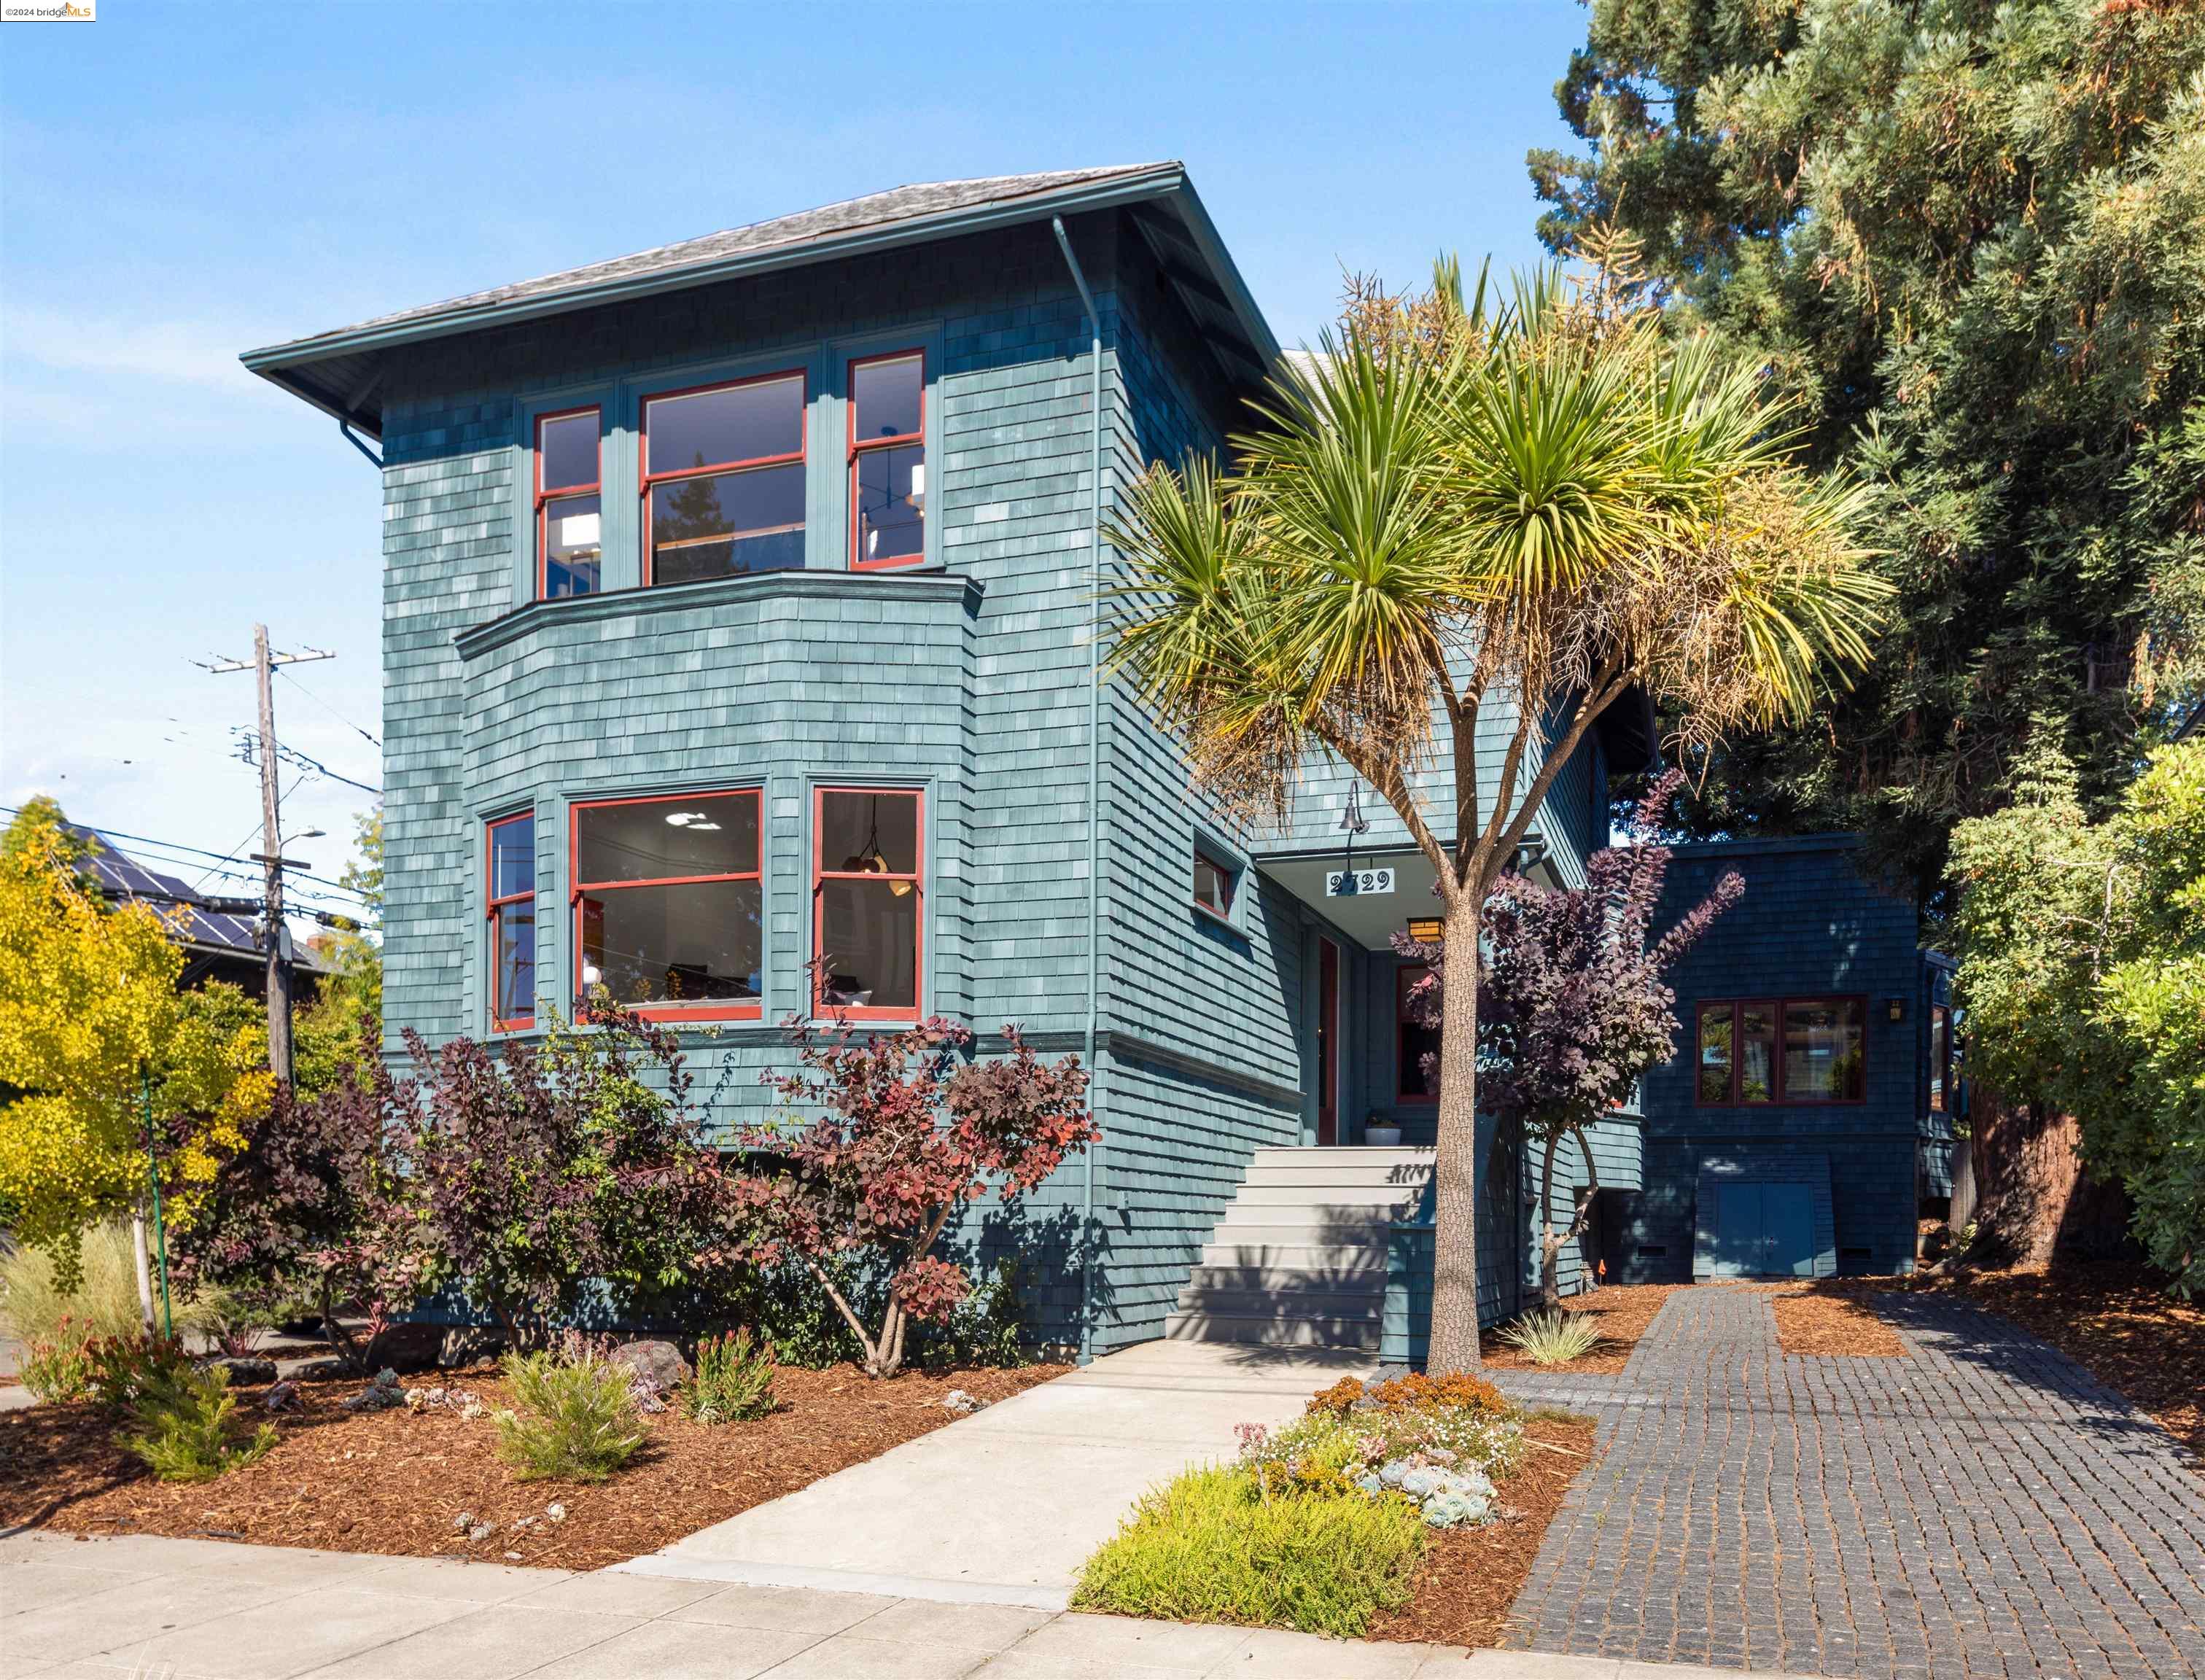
x=1972, y=238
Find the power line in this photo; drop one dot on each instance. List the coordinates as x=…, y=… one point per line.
x=322, y=887
x=302, y=688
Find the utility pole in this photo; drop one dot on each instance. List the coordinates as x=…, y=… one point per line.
x=275, y=935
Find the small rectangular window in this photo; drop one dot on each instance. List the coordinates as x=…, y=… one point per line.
x=512, y=945
x=667, y=904
x=1416, y=1046
x=868, y=891
x=1213, y=885
x=723, y=479
x=1940, y=1058
x=887, y=460
x=569, y=505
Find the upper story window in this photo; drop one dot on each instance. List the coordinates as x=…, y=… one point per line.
x=888, y=459
x=1940, y=1060
x=1213, y=885
x=569, y=513
x=668, y=902
x=868, y=890
x=723, y=479
x=511, y=868
x=1792, y=1050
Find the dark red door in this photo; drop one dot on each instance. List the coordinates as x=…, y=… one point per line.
x=1328, y=1042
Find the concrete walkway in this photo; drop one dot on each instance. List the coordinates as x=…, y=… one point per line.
x=1013, y=1499
x=158, y=1609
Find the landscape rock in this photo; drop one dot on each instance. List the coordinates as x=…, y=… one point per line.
x=409, y=1347
x=321, y=1370
x=469, y=1345
x=380, y=1395
x=660, y=1363
x=248, y=1370
x=282, y=1397
x=963, y=1404
x=481, y=1531
x=464, y=1521
x=556, y=1512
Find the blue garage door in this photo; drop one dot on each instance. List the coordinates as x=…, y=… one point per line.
x=1764, y=1231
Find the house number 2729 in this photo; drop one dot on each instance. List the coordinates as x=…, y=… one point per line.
x=1354, y=883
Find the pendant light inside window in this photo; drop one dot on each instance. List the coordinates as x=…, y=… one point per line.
x=869, y=859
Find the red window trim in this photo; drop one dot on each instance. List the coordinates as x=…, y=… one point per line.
x=544, y=497
x=649, y=480
x=855, y=449
x=1404, y=1075
x=1203, y=855
x=820, y=874
x=703, y=1009
x=1781, y=1098
x=493, y=919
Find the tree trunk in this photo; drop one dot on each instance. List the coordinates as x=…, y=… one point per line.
x=144, y=1257
x=1454, y=1172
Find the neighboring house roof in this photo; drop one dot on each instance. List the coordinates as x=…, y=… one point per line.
x=206, y=925
x=337, y=371
x=2192, y=728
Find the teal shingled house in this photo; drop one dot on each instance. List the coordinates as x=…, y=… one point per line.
x=740, y=609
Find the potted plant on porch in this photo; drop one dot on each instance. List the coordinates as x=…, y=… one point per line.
x=1380, y=1132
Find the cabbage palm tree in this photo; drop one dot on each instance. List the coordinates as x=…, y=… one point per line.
x=1527, y=506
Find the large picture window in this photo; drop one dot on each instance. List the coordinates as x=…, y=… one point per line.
x=1790, y=1050
x=723, y=479
x=868, y=895
x=888, y=459
x=667, y=904
x=511, y=867
x=569, y=505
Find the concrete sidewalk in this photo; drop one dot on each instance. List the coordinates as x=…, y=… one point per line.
x=1015, y=1497
x=160, y=1609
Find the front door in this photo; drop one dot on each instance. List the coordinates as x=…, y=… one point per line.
x=1328, y=1042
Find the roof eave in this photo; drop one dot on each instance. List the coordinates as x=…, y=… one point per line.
x=273, y=362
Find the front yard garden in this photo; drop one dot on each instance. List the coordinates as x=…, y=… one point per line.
x=1408, y=1508
x=399, y=1480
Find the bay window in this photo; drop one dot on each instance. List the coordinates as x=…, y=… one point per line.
x=887, y=460
x=511, y=947
x=868, y=892
x=667, y=904
x=723, y=479
x=569, y=504
x=1750, y=1052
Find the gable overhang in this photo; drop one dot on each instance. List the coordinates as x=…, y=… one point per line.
x=341, y=372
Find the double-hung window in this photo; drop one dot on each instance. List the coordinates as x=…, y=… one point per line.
x=1790, y=1050
x=868, y=895
x=511, y=952
x=723, y=479
x=569, y=505
x=668, y=905
x=887, y=460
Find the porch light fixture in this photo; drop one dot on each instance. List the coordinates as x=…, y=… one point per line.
x=1427, y=929
x=1897, y=1006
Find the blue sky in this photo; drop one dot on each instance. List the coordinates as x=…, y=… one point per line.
x=181, y=182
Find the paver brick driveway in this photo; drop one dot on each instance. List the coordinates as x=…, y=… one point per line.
x=1983, y=1507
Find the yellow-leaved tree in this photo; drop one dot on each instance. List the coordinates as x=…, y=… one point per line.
x=91, y=1020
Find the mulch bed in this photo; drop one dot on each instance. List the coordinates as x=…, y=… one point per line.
x=395, y=1483
x=1830, y=1318
x=1471, y=1576
x=1624, y=1311
x=2116, y=1320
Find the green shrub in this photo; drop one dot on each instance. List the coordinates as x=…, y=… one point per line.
x=734, y=1382
x=58, y=1368
x=988, y=1328
x=576, y=1421
x=186, y=1426
x=123, y=1370
x=1552, y=1338
x=105, y=1302
x=1208, y=1546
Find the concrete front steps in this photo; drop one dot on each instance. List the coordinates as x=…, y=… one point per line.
x=1300, y=1258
